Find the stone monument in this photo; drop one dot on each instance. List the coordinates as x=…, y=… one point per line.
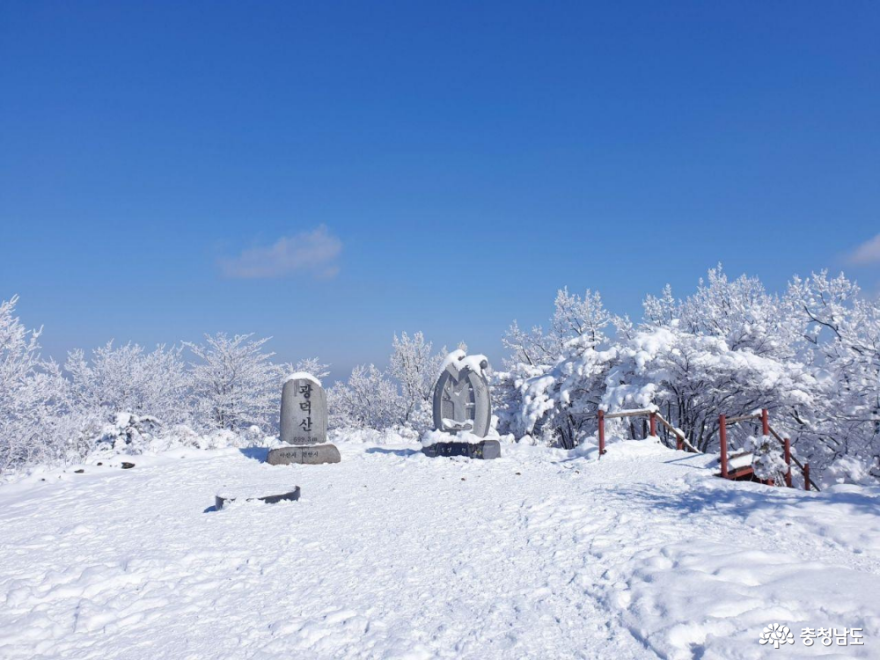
x=303, y=423
x=462, y=409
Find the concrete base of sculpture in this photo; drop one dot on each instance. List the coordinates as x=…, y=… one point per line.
x=269, y=495
x=486, y=449
x=304, y=454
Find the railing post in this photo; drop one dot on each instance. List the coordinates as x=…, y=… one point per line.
x=787, y=444
x=679, y=443
x=722, y=432
x=653, y=424
x=806, y=476
x=601, y=433
x=765, y=422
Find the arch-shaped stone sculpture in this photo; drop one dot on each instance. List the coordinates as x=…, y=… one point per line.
x=461, y=396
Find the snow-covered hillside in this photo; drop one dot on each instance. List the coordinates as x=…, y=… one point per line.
x=540, y=554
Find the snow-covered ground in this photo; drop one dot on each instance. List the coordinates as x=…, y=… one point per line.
x=390, y=554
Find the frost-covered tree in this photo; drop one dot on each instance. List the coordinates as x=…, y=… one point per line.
x=127, y=379
x=368, y=400
x=730, y=348
x=312, y=366
x=693, y=378
x=841, y=429
x=33, y=395
x=553, y=381
x=235, y=384
x=415, y=368
x=740, y=312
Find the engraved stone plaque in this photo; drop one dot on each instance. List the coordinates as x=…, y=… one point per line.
x=303, y=424
x=303, y=411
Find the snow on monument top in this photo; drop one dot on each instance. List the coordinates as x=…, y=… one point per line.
x=302, y=375
x=461, y=360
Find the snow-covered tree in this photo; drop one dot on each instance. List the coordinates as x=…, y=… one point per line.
x=128, y=379
x=693, y=378
x=840, y=431
x=33, y=398
x=312, y=366
x=235, y=384
x=415, y=368
x=740, y=312
x=368, y=400
x=554, y=381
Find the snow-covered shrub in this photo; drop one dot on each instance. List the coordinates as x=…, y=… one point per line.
x=131, y=435
x=392, y=435
x=128, y=433
x=848, y=470
x=767, y=458
x=235, y=385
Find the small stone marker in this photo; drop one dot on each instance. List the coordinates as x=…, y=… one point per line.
x=270, y=494
x=462, y=405
x=303, y=423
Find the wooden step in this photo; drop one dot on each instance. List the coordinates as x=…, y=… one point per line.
x=743, y=473
x=738, y=461
x=739, y=467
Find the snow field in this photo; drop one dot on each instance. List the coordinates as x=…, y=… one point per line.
x=389, y=554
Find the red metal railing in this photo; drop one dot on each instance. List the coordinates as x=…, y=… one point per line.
x=766, y=430
x=681, y=441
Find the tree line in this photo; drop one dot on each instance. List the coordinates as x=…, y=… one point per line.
x=811, y=354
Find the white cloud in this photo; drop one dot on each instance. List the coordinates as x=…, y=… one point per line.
x=867, y=253
x=313, y=252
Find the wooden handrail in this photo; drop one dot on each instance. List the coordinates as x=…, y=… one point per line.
x=650, y=413
x=766, y=429
x=678, y=434
x=627, y=413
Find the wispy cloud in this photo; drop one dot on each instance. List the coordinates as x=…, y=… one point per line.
x=867, y=253
x=313, y=252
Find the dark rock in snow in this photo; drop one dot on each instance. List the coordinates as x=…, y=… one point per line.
x=487, y=449
x=267, y=494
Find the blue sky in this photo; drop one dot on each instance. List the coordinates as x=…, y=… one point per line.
x=330, y=173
